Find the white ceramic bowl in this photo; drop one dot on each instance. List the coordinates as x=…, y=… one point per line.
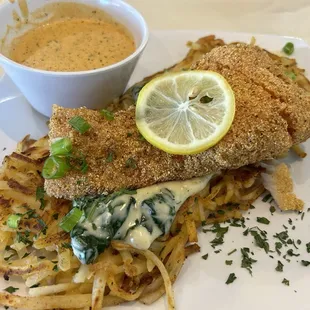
x=93, y=88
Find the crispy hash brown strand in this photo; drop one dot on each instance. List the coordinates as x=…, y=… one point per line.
x=272, y=115
x=121, y=273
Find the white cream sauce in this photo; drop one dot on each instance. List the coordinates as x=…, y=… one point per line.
x=140, y=218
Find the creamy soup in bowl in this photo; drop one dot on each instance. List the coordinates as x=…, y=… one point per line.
x=68, y=52
x=75, y=37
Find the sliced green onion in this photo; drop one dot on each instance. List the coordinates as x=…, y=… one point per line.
x=13, y=220
x=55, y=167
x=291, y=75
x=79, y=124
x=288, y=48
x=61, y=146
x=107, y=115
x=71, y=219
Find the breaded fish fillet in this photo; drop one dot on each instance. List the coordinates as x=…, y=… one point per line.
x=272, y=114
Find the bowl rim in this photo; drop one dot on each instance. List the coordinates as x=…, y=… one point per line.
x=136, y=53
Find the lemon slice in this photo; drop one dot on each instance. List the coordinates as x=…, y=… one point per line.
x=186, y=112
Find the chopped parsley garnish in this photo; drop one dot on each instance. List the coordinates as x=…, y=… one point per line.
x=286, y=282
x=262, y=220
x=55, y=216
x=279, y=266
x=79, y=124
x=11, y=289
x=231, y=252
x=267, y=197
x=55, y=268
x=219, y=231
x=205, y=257
x=221, y=212
x=131, y=163
x=217, y=241
x=302, y=216
x=66, y=245
x=291, y=253
x=290, y=241
x=23, y=237
x=290, y=221
x=278, y=246
x=237, y=223
x=308, y=247
x=108, y=115
x=228, y=262
x=9, y=257
x=272, y=209
x=305, y=263
x=25, y=255
x=40, y=192
x=129, y=134
x=231, y=278
x=260, y=237
x=42, y=206
x=110, y=157
x=282, y=236
x=247, y=261
x=217, y=251
x=252, y=207
x=298, y=241
x=43, y=226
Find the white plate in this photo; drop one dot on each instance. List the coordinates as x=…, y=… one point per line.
x=201, y=284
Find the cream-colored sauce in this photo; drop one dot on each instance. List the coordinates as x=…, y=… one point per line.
x=137, y=217
x=139, y=237
x=74, y=37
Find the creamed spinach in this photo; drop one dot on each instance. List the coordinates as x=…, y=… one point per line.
x=137, y=217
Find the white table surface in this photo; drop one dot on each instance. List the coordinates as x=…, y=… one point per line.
x=282, y=17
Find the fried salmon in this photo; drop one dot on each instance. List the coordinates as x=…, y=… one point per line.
x=272, y=115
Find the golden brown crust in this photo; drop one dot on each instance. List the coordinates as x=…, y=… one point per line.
x=268, y=122
x=285, y=196
x=250, y=64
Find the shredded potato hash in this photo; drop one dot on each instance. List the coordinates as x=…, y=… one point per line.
x=40, y=253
